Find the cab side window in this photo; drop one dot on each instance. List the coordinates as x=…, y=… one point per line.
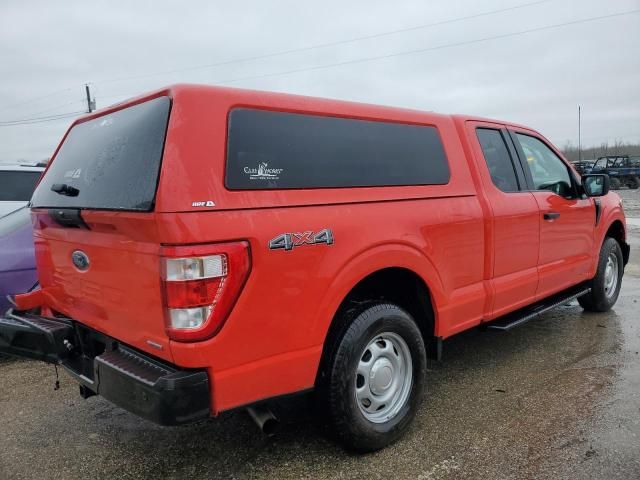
x=498, y=159
x=547, y=170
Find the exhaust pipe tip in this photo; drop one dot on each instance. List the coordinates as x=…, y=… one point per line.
x=264, y=419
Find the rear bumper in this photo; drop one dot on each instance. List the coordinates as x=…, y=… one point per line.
x=145, y=386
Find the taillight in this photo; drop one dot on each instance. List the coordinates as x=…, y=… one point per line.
x=201, y=286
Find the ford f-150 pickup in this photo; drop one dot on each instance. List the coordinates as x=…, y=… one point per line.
x=203, y=249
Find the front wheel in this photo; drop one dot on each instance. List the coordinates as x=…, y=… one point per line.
x=615, y=183
x=605, y=286
x=374, y=378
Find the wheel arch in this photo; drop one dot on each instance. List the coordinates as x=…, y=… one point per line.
x=401, y=256
x=397, y=285
x=617, y=231
x=397, y=282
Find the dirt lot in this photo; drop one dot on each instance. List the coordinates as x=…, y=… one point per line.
x=556, y=398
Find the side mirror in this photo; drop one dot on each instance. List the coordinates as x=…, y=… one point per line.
x=595, y=185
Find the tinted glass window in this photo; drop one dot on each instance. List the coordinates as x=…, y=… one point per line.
x=17, y=186
x=498, y=159
x=547, y=170
x=112, y=161
x=276, y=150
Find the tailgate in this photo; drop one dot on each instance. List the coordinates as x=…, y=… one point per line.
x=106, y=276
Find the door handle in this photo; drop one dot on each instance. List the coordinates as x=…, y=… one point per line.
x=550, y=216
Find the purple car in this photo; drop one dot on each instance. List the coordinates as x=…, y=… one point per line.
x=17, y=258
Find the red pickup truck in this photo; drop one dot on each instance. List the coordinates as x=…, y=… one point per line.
x=202, y=249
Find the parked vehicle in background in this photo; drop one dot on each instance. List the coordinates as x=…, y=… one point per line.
x=623, y=170
x=583, y=166
x=17, y=183
x=203, y=249
x=17, y=259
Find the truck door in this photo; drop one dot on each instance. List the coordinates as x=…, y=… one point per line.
x=567, y=218
x=513, y=236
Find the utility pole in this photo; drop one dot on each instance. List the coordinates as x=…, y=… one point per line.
x=579, y=137
x=91, y=104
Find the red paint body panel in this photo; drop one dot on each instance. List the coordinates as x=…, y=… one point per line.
x=566, y=244
x=457, y=237
x=120, y=294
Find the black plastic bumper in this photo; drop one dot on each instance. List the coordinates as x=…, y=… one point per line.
x=152, y=389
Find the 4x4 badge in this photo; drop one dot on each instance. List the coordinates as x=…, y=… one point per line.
x=289, y=240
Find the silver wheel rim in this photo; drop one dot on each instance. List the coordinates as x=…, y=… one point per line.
x=383, y=377
x=611, y=275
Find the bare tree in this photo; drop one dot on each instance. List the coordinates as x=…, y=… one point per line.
x=591, y=153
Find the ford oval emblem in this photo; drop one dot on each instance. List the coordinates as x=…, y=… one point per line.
x=80, y=260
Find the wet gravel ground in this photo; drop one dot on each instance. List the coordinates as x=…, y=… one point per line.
x=556, y=398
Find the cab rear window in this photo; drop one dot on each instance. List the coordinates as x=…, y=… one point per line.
x=111, y=162
x=279, y=150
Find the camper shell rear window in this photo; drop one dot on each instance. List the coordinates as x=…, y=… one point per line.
x=111, y=162
x=280, y=150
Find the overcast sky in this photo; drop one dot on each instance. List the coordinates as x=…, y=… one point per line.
x=49, y=50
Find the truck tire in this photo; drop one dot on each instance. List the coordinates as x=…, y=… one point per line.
x=633, y=182
x=374, y=378
x=605, y=286
x=614, y=183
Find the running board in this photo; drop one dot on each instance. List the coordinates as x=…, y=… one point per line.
x=519, y=317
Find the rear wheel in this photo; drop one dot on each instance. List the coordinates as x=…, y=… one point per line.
x=614, y=183
x=605, y=286
x=374, y=378
x=633, y=183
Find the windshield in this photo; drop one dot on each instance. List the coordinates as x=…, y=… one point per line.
x=16, y=185
x=111, y=162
